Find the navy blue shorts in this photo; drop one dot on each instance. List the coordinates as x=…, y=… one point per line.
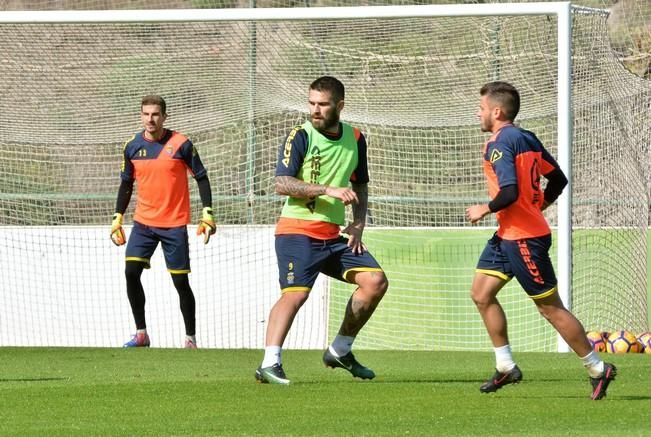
x=527, y=259
x=301, y=259
x=144, y=239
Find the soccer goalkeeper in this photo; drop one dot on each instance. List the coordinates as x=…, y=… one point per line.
x=158, y=160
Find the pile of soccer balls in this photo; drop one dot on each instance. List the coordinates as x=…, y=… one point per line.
x=620, y=342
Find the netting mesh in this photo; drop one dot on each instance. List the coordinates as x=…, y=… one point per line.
x=70, y=98
x=607, y=173
x=629, y=30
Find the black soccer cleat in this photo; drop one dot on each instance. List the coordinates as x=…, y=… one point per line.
x=347, y=362
x=600, y=384
x=271, y=375
x=499, y=380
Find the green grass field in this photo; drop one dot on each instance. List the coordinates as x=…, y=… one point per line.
x=160, y=392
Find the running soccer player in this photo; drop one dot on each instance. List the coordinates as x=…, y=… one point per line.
x=514, y=160
x=159, y=160
x=322, y=168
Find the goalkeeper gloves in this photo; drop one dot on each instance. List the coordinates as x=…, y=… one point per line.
x=117, y=233
x=206, y=224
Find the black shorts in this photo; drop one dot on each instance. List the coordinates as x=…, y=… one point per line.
x=301, y=259
x=144, y=240
x=527, y=259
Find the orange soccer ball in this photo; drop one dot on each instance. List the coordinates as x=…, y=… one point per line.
x=597, y=341
x=621, y=342
x=645, y=341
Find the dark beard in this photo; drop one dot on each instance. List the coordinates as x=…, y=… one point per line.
x=328, y=124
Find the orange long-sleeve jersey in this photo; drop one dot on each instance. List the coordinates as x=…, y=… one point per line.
x=515, y=156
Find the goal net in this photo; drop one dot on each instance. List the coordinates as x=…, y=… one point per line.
x=70, y=98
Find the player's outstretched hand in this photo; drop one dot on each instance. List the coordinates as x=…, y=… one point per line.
x=207, y=225
x=117, y=233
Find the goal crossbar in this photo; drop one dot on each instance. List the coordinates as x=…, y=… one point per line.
x=265, y=14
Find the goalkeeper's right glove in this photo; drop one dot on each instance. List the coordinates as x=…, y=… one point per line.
x=206, y=224
x=117, y=233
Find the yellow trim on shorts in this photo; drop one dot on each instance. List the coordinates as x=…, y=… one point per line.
x=360, y=269
x=178, y=272
x=295, y=289
x=142, y=260
x=545, y=294
x=494, y=273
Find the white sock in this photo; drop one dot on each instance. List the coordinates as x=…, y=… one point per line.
x=192, y=338
x=141, y=331
x=503, y=359
x=594, y=364
x=341, y=345
x=271, y=356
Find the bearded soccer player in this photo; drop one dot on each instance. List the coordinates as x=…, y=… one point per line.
x=158, y=160
x=322, y=168
x=514, y=160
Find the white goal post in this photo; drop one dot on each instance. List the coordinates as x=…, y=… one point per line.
x=249, y=127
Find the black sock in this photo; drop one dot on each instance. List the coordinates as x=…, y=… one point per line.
x=186, y=300
x=135, y=292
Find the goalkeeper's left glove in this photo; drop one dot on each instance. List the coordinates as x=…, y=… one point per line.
x=117, y=233
x=206, y=224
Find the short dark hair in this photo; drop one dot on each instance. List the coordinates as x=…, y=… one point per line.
x=154, y=100
x=505, y=95
x=331, y=85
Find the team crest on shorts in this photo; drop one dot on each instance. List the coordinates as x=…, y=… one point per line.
x=290, y=274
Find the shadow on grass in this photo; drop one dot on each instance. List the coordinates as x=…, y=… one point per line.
x=629, y=398
x=432, y=380
x=609, y=398
x=33, y=379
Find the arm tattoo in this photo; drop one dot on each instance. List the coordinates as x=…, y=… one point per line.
x=359, y=209
x=290, y=186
